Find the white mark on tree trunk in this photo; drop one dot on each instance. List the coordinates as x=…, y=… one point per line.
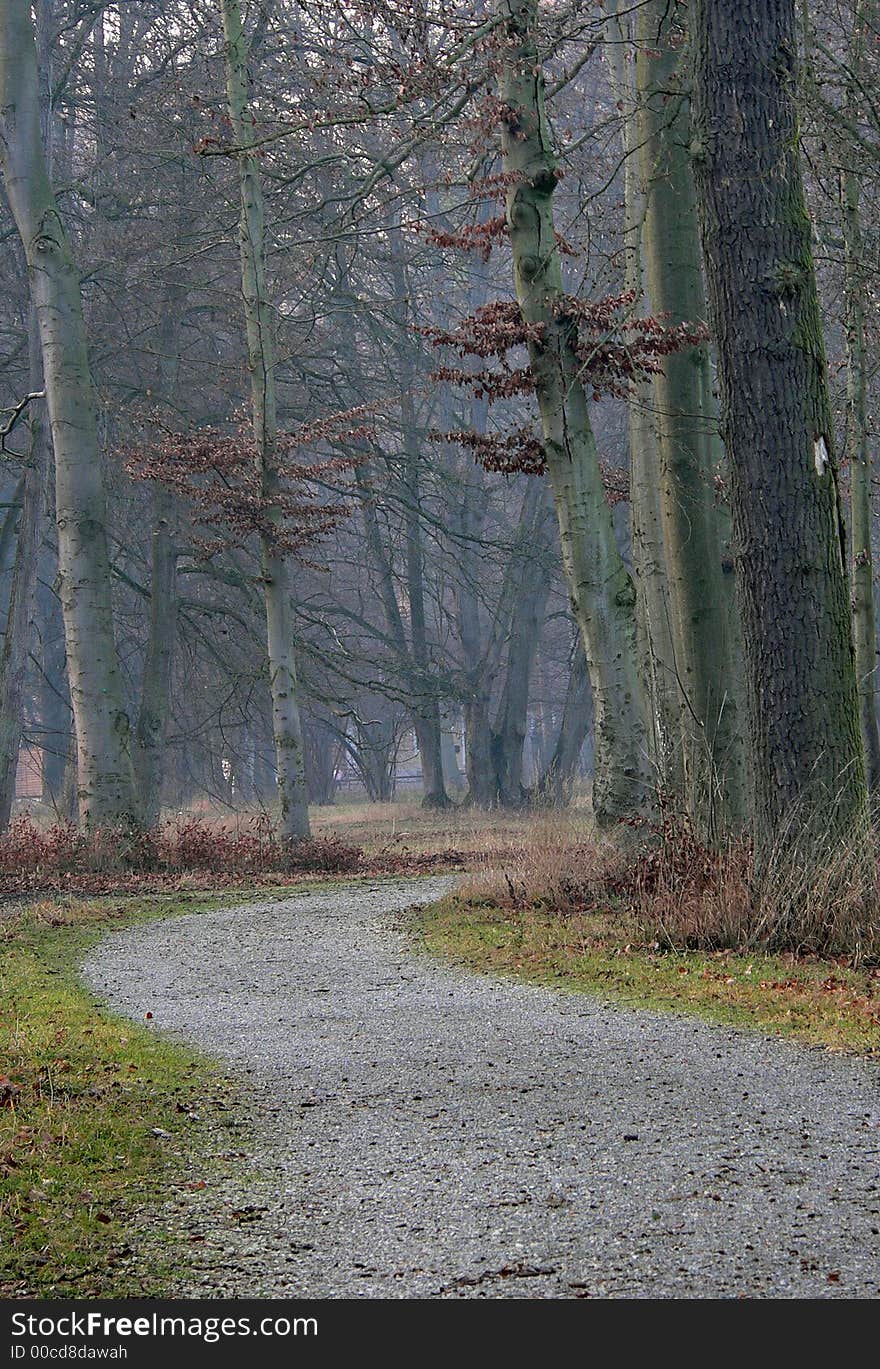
x=820, y=455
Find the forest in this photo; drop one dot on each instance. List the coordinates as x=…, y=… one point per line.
x=437, y=446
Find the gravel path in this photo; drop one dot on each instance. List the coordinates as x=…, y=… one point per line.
x=412, y=1130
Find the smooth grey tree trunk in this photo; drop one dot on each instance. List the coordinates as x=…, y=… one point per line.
x=148, y=752
x=427, y=703
x=55, y=712
x=509, y=732
x=860, y=475
x=102, y=728
x=713, y=750
x=601, y=590
x=858, y=448
x=287, y=727
x=427, y=716
x=656, y=651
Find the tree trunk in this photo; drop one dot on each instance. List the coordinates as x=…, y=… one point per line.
x=556, y=780
x=287, y=728
x=602, y=592
x=509, y=733
x=102, y=729
x=656, y=654
x=412, y=656
x=857, y=442
x=148, y=754
x=149, y=737
x=19, y=620
x=452, y=776
x=427, y=721
x=477, y=681
x=478, y=747
x=374, y=750
x=10, y=522
x=322, y=750
x=425, y=725
x=807, y=757
x=714, y=778
x=482, y=649
x=54, y=704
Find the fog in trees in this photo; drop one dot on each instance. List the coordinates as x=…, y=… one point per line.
x=474, y=404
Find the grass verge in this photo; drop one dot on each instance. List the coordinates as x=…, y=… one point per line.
x=95, y=1111
x=817, y=1001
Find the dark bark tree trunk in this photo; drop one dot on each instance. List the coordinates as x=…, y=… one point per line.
x=478, y=747
x=322, y=749
x=373, y=749
x=806, y=748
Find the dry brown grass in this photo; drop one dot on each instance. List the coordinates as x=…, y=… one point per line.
x=474, y=831
x=674, y=891
x=559, y=863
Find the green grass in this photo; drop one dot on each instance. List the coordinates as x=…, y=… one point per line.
x=820, y=1002
x=78, y=1156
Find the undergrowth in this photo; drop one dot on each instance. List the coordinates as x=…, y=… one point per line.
x=678, y=892
x=186, y=852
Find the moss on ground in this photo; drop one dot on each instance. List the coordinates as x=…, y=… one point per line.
x=98, y=1111
x=820, y=1002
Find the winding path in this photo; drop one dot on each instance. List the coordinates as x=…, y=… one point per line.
x=418, y=1131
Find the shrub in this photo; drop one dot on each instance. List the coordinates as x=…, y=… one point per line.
x=182, y=845
x=678, y=892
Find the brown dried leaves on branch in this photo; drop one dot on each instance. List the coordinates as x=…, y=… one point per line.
x=218, y=475
x=518, y=449
x=614, y=347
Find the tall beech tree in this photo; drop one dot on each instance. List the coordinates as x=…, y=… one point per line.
x=18, y=634
x=656, y=651
x=287, y=727
x=858, y=439
x=601, y=589
x=807, y=759
x=713, y=751
x=101, y=722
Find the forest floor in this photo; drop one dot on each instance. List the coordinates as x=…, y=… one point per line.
x=406, y=1128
